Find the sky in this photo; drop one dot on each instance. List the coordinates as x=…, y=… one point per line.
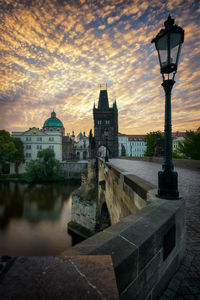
x=55, y=54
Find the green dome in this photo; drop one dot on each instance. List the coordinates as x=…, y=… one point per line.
x=53, y=121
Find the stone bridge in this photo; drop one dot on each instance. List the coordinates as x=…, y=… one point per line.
x=143, y=235
x=146, y=238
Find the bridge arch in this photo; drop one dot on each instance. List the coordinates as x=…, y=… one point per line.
x=101, y=151
x=104, y=217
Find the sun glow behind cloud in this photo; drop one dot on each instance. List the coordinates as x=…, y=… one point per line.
x=54, y=55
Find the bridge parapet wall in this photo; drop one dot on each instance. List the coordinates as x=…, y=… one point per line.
x=138, y=244
x=182, y=163
x=123, y=192
x=146, y=246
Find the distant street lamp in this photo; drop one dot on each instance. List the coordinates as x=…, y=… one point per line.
x=168, y=43
x=106, y=137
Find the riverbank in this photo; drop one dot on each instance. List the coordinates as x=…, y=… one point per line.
x=23, y=178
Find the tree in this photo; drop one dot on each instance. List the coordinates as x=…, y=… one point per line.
x=7, y=148
x=155, y=144
x=46, y=167
x=18, y=156
x=190, y=147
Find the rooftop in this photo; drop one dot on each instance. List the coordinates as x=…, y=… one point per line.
x=53, y=121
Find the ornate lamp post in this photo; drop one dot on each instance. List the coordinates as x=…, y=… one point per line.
x=106, y=137
x=168, y=43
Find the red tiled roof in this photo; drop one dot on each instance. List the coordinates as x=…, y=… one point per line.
x=141, y=137
x=178, y=134
x=134, y=137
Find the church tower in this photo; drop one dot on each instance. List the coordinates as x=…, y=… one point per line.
x=106, y=125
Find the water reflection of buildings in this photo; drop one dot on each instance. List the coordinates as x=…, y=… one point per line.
x=34, y=203
x=33, y=212
x=2, y=210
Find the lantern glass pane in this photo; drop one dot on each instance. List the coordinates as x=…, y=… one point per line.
x=175, y=41
x=162, y=48
x=173, y=53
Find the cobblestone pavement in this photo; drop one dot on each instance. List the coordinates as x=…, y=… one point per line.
x=185, y=283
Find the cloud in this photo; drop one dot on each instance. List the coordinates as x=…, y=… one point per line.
x=54, y=56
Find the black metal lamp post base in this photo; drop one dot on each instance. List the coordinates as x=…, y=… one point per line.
x=167, y=185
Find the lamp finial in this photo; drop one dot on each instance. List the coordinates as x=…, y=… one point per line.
x=169, y=23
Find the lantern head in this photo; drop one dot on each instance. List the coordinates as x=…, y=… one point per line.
x=168, y=43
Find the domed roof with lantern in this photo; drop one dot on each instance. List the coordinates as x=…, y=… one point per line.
x=53, y=121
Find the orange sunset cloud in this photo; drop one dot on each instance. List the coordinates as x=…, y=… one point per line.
x=56, y=53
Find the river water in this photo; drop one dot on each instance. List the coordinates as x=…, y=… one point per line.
x=34, y=217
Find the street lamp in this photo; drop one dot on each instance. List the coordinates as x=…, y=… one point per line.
x=106, y=137
x=168, y=43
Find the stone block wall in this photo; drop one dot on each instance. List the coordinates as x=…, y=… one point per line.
x=138, y=248
x=123, y=192
x=147, y=245
x=84, y=213
x=84, y=206
x=73, y=170
x=182, y=163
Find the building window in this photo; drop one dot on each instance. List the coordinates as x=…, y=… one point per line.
x=107, y=122
x=99, y=122
x=28, y=155
x=28, y=147
x=39, y=139
x=28, y=139
x=39, y=147
x=51, y=147
x=51, y=139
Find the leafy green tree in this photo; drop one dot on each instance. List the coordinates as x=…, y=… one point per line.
x=18, y=156
x=46, y=167
x=190, y=147
x=7, y=148
x=155, y=143
x=176, y=154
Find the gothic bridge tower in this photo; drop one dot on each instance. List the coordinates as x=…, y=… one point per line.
x=106, y=125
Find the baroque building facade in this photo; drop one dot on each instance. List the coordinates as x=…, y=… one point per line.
x=53, y=124
x=105, y=126
x=81, y=147
x=132, y=145
x=135, y=145
x=35, y=140
x=52, y=135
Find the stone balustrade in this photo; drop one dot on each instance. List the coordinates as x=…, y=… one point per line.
x=147, y=244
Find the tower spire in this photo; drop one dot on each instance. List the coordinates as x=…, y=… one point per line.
x=103, y=100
